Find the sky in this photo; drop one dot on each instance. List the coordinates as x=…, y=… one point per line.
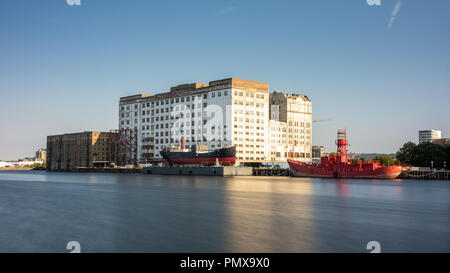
x=380, y=71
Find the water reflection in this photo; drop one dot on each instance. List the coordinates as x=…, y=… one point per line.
x=150, y=213
x=261, y=216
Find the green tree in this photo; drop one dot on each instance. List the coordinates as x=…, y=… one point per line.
x=447, y=156
x=386, y=160
x=406, y=153
x=427, y=152
x=421, y=155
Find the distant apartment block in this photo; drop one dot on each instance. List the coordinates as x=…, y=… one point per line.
x=317, y=151
x=41, y=155
x=228, y=112
x=85, y=149
x=429, y=135
x=442, y=141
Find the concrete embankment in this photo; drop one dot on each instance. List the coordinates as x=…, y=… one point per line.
x=15, y=169
x=106, y=170
x=206, y=171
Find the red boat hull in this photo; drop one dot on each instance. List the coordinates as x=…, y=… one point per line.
x=343, y=170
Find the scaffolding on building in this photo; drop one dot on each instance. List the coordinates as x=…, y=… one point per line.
x=126, y=146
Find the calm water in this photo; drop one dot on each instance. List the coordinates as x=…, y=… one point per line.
x=41, y=212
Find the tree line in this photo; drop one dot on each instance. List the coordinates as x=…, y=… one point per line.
x=421, y=155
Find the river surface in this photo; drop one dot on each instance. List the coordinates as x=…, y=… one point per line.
x=42, y=212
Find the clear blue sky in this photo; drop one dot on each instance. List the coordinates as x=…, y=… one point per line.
x=63, y=68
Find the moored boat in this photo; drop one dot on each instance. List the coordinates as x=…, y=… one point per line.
x=199, y=155
x=338, y=166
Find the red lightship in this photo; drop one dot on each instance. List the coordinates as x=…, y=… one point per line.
x=339, y=167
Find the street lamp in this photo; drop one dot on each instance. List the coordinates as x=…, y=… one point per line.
x=431, y=165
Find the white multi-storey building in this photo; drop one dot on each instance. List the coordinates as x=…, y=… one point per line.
x=429, y=135
x=291, y=127
x=228, y=112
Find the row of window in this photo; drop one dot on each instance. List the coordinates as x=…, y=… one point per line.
x=248, y=103
x=249, y=95
x=178, y=100
x=248, y=113
x=181, y=125
x=248, y=120
x=187, y=140
x=291, y=154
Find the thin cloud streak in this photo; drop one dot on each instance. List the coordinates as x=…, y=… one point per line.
x=396, y=10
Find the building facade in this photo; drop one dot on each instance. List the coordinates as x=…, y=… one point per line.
x=442, y=141
x=41, y=155
x=429, y=135
x=317, y=151
x=228, y=112
x=294, y=112
x=86, y=149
